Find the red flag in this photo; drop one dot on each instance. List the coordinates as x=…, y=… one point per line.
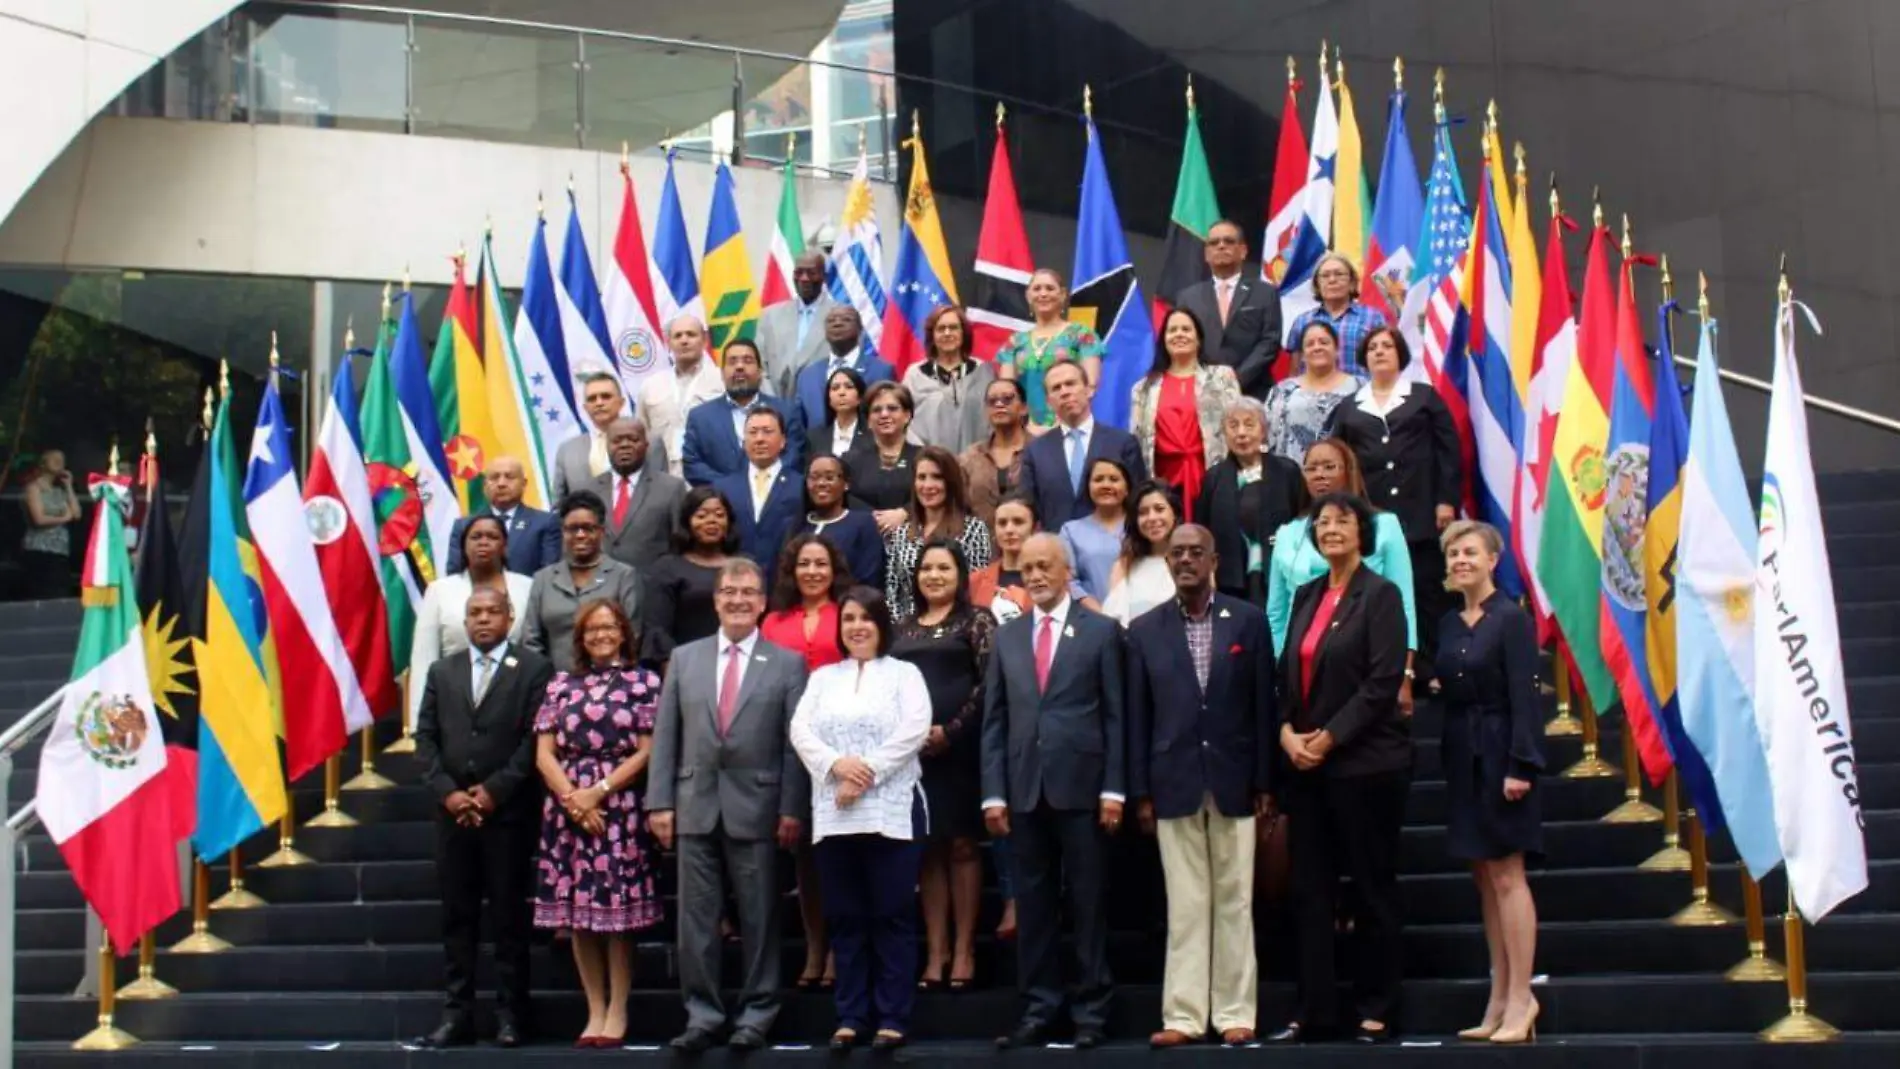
x=1289, y=182
x=999, y=303
x=1555, y=348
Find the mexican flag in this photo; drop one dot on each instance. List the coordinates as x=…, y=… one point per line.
x=103, y=795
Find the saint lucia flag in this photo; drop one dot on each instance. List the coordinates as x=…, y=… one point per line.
x=1107, y=296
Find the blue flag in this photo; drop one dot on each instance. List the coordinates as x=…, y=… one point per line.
x=1104, y=285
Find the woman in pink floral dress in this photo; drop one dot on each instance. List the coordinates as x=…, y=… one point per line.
x=595, y=869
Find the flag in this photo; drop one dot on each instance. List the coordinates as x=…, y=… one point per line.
x=1527, y=297
x=342, y=525
x=633, y=316
x=1399, y=214
x=1195, y=211
x=405, y=563
x=461, y=397
x=855, y=274
x=1107, y=295
x=583, y=320
x=103, y=793
x=1312, y=231
x=539, y=341
x=240, y=786
x=1668, y=452
x=511, y=405
x=732, y=298
x=1289, y=181
x=324, y=702
x=1715, y=623
x=1625, y=514
x=1497, y=416
x=1352, y=202
x=171, y=589
x=675, y=283
x=409, y=378
x=1555, y=346
x=999, y=305
x=1438, y=280
x=1570, y=555
x=788, y=242
x=922, y=279
x=1800, y=693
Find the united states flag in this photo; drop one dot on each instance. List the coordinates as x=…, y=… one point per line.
x=1445, y=240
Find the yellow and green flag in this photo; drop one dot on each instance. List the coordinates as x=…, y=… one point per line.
x=725, y=273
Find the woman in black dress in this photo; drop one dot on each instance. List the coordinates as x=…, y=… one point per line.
x=843, y=428
x=881, y=465
x=1486, y=669
x=1246, y=499
x=679, y=586
x=949, y=641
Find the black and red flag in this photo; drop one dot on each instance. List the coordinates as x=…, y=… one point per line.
x=999, y=302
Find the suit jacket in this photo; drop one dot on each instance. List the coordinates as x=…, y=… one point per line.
x=742, y=783
x=818, y=440
x=665, y=415
x=1214, y=390
x=647, y=534
x=1410, y=456
x=763, y=535
x=574, y=465
x=1357, y=672
x=1281, y=497
x=461, y=744
x=777, y=335
x=534, y=541
x=1062, y=745
x=1184, y=744
x=1046, y=470
x=712, y=448
x=1250, y=341
x=810, y=388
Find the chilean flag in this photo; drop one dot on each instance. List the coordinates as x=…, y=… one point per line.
x=325, y=702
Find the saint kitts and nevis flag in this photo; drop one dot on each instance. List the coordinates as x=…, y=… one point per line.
x=103, y=786
x=922, y=279
x=1196, y=210
x=999, y=300
x=725, y=272
x=461, y=396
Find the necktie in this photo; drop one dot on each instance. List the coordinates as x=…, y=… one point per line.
x=484, y=675
x=761, y=489
x=1226, y=292
x=804, y=324
x=623, y=501
x=1076, y=452
x=597, y=455
x=729, y=690
x=1045, y=651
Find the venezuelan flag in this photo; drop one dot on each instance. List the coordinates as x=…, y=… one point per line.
x=922, y=280
x=240, y=786
x=725, y=274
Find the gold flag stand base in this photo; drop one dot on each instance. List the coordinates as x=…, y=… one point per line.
x=147, y=988
x=200, y=941
x=286, y=856
x=369, y=779
x=1702, y=913
x=331, y=817
x=1590, y=766
x=106, y=1037
x=1634, y=811
x=1800, y=1026
x=1563, y=726
x=1757, y=968
x=237, y=897
x=406, y=744
x=1668, y=859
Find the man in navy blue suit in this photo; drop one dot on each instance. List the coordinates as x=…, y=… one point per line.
x=1200, y=717
x=715, y=430
x=844, y=336
x=768, y=497
x=1055, y=462
x=534, y=536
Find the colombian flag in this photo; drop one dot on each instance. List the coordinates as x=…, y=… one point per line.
x=725, y=274
x=922, y=280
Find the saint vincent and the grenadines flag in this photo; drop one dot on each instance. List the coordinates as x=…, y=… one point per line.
x=725, y=273
x=922, y=279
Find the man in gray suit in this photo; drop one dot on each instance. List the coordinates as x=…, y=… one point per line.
x=583, y=458
x=1053, y=783
x=726, y=783
x=642, y=499
x=791, y=333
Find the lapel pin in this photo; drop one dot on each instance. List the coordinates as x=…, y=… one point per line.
x=508, y=662
x=1068, y=632
x=759, y=657
x=1224, y=614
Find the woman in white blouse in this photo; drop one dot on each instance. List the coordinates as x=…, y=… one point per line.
x=859, y=729
x=439, y=629
x=1140, y=579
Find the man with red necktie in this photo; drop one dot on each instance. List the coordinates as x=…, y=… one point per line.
x=642, y=500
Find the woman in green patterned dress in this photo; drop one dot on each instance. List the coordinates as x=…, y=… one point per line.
x=1054, y=337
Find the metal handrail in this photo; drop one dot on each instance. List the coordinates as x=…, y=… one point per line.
x=35, y=721
x=1847, y=412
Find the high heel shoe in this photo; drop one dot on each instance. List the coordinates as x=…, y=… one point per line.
x=1485, y=1029
x=1526, y=1034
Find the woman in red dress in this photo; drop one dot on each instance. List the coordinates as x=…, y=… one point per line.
x=1178, y=406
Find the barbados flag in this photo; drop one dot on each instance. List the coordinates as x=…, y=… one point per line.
x=922, y=280
x=240, y=788
x=725, y=275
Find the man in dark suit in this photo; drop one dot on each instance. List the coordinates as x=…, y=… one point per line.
x=534, y=535
x=1200, y=717
x=642, y=499
x=768, y=497
x=475, y=741
x=1240, y=317
x=583, y=458
x=844, y=335
x=1053, y=782
x=1055, y=463
x=727, y=785
x=713, y=446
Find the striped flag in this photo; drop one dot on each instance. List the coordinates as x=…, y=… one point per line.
x=633, y=315
x=999, y=305
x=732, y=298
x=1497, y=416
x=855, y=275
x=1289, y=181
x=1195, y=211
x=1398, y=216
x=540, y=342
x=675, y=280
x=510, y=404
x=1352, y=202
x=1439, y=278
x=409, y=378
x=788, y=242
x=1312, y=232
x=583, y=320
x=922, y=279
x=1555, y=346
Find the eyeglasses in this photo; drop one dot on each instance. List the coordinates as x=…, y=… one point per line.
x=886, y=410
x=1223, y=240
x=740, y=592
x=580, y=528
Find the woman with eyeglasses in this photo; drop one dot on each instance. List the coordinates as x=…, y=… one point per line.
x=949, y=387
x=680, y=585
x=993, y=466
x=583, y=573
x=440, y=630
x=828, y=513
x=1053, y=338
x=1299, y=408
x=881, y=467
x=844, y=427
x=1336, y=286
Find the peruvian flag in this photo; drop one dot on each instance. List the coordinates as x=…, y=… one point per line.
x=788, y=244
x=325, y=702
x=1286, y=207
x=342, y=522
x=103, y=793
x=633, y=321
x=999, y=305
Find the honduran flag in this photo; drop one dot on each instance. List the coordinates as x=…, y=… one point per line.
x=541, y=347
x=922, y=279
x=999, y=304
x=103, y=793
x=583, y=320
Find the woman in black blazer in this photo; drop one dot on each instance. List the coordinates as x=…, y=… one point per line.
x=1408, y=448
x=844, y=417
x=1346, y=768
x=1245, y=499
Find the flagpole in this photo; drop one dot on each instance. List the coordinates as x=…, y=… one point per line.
x=1799, y=1026
x=148, y=987
x=106, y=1036
x=200, y=941
x=237, y=897
x=1758, y=967
x=333, y=815
x=1591, y=765
x=367, y=778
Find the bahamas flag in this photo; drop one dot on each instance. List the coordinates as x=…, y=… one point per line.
x=240, y=786
x=725, y=273
x=922, y=280
x=1107, y=296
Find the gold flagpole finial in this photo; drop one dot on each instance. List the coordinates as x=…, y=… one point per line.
x=570, y=184
x=1629, y=242
x=1000, y=112
x=626, y=157
x=916, y=125
x=540, y=206
x=386, y=300
x=1783, y=291
x=1323, y=82
x=791, y=147
x=1596, y=207
x=151, y=437
x=1292, y=71
x=1556, y=202
x=1438, y=96
x=1339, y=67
x=1702, y=294
x=1668, y=280
x=1398, y=74
x=1491, y=112
x=405, y=278
x=1190, y=90
x=273, y=350
x=1088, y=102
x=205, y=418
x=862, y=135
x=112, y=458
x=224, y=379
x=349, y=335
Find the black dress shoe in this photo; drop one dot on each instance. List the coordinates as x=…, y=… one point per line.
x=747, y=1038
x=1088, y=1038
x=1294, y=1032
x=887, y=1040
x=448, y=1034
x=1026, y=1034
x=694, y=1041
x=508, y=1035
